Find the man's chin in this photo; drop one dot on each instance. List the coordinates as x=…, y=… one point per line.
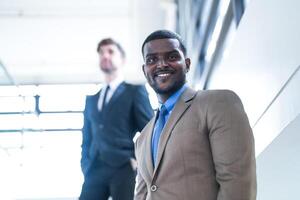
x=107, y=71
x=167, y=89
x=162, y=90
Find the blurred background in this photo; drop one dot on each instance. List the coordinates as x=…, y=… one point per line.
x=49, y=63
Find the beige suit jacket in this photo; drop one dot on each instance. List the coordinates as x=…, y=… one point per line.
x=206, y=151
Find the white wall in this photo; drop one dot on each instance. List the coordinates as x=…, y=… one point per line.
x=263, y=57
x=149, y=16
x=279, y=175
x=263, y=69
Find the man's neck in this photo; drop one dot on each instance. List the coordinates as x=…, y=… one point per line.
x=162, y=98
x=110, y=77
x=114, y=81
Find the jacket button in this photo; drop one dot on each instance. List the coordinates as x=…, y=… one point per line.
x=153, y=188
x=100, y=126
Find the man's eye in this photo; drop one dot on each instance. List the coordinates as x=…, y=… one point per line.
x=111, y=52
x=150, y=60
x=173, y=57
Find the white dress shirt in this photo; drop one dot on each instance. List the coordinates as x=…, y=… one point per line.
x=112, y=88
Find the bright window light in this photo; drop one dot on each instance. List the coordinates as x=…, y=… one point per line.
x=33, y=159
x=62, y=103
x=30, y=121
x=9, y=91
x=10, y=140
x=28, y=90
x=61, y=121
x=47, y=160
x=9, y=122
x=19, y=122
x=63, y=90
x=217, y=30
x=17, y=104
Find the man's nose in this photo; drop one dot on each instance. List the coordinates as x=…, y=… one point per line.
x=105, y=55
x=162, y=62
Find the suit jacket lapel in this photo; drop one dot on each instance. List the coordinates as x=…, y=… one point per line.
x=182, y=104
x=148, y=155
x=120, y=89
x=94, y=107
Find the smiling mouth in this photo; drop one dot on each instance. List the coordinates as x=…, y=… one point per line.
x=164, y=75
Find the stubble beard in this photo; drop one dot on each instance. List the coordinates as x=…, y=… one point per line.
x=172, y=88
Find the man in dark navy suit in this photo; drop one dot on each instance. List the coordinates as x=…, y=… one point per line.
x=111, y=119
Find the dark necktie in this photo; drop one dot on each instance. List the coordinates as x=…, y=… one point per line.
x=104, y=98
x=159, y=125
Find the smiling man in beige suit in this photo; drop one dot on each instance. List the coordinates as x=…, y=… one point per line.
x=200, y=145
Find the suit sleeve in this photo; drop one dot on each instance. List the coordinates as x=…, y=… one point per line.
x=232, y=146
x=140, y=185
x=86, y=140
x=143, y=111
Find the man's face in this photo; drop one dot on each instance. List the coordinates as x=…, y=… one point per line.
x=110, y=58
x=165, y=66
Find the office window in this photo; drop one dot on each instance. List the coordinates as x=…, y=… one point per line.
x=209, y=28
x=61, y=121
x=40, y=140
x=17, y=104
x=62, y=103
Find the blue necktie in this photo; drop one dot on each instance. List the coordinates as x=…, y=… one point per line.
x=159, y=125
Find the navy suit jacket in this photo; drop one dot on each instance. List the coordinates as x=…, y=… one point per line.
x=108, y=134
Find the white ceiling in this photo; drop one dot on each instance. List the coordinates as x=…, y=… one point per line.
x=54, y=41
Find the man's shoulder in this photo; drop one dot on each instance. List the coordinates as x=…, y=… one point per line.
x=216, y=99
x=135, y=89
x=218, y=95
x=134, y=86
x=91, y=97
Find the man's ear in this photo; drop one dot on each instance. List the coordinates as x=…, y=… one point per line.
x=143, y=67
x=187, y=64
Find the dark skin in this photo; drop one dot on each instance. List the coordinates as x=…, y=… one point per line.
x=165, y=66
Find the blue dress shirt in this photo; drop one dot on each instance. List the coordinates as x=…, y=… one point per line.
x=169, y=105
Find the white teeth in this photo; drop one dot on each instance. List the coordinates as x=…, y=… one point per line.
x=163, y=75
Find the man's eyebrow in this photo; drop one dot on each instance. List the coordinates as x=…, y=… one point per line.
x=166, y=52
x=150, y=54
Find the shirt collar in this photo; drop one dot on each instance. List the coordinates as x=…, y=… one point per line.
x=115, y=83
x=171, y=101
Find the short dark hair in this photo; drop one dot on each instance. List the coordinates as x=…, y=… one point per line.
x=164, y=34
x=108, y=41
